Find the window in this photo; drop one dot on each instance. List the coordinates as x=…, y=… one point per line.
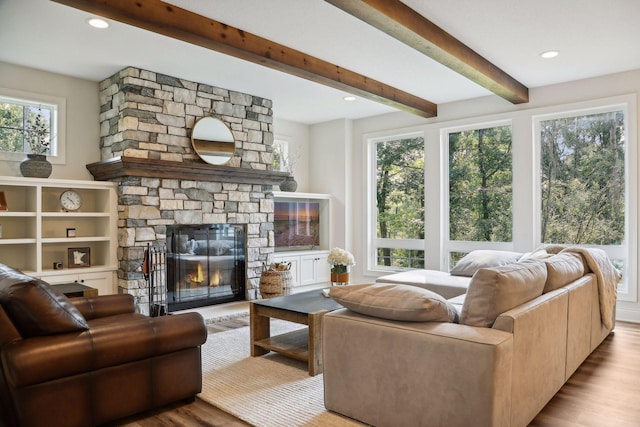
x=28, y=119
x=512, y=181
x=583, y=184
x=397, y=200
x=280, y=153
x=480, y=188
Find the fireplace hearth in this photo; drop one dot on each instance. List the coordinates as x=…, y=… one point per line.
x=205, y=265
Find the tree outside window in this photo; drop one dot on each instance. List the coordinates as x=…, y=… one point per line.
x=18, y=119
x=480, y=186
x=582, y=179
x=400, y=200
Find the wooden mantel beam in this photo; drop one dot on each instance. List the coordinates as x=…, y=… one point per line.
x=172, y=21
x=405, y=24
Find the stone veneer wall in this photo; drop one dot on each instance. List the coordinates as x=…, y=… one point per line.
x=145, y=114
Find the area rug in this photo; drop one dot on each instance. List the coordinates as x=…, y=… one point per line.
x=266, y=391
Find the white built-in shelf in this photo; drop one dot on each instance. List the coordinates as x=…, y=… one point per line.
x=34, y=228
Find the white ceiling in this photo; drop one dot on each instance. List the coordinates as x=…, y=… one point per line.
x=594, y=38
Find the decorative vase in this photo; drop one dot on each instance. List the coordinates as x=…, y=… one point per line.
x=339, y=279
x=289, y=184
x=339, y=275
x=36, y=166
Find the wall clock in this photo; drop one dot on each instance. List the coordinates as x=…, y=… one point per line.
x=70, y=200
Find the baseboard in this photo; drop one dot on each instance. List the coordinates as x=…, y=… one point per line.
x=626, y=315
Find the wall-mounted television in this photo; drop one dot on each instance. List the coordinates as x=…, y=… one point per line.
x=296, y=225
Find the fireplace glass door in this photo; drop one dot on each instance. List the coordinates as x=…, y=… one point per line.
x=205, y=265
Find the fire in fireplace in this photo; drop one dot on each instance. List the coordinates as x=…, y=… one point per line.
x=205, y=265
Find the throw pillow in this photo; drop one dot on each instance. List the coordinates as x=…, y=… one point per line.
x=35, y=308
x=476, y=260
x=563, y=269
x=492, y=291
x=395, y=302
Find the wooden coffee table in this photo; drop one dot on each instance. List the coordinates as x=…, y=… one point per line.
x=307, y=308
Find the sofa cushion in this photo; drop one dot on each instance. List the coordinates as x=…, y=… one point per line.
x=493, y=291
x=440, y=282
x=476, y=260
x=395, y=302
x=563, y=269
x=35, y=308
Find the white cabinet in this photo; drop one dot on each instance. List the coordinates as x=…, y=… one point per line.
x=35, y=234
x=314, y=269
x=308, y=268
x=102, y=281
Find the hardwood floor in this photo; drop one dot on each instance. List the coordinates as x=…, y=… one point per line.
x=603, y=392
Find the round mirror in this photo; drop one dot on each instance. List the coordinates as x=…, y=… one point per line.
x=213, y=141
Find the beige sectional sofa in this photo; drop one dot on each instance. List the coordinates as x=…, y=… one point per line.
x=518, y=334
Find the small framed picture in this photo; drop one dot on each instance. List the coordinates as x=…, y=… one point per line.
x=3, y=202
x=79, y=257
x=71, y=232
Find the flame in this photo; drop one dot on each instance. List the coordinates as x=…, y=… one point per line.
x=215, y=279
x=198, y=277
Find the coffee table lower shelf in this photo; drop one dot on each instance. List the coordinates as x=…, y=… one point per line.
x=294, y=344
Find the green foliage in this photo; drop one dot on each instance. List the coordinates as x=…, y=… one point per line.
x=11, y=125
x=402, y=258
x=400, y=191
x=480, y=185
x=24, y=128
x=582, y=179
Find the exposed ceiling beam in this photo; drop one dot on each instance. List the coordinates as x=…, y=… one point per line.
x=181, y=24
x=405, y=24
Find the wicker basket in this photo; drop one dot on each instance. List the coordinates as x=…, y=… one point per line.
x=276, y=280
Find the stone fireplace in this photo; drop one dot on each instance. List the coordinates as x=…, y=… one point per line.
x=146, y=119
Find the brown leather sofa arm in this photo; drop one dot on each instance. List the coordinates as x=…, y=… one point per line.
x=105, y=305
x=8, y=332
x=136, y=337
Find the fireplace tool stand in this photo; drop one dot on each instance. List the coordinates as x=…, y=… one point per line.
x=154, y=268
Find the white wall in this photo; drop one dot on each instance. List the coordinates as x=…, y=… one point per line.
x=82, y=117
x=330, y=160
x=297, y=135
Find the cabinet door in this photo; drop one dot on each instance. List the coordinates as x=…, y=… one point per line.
x=56, y=279
x=102, y=281
x=314, y=269
x=308, y=270
x=323, y=270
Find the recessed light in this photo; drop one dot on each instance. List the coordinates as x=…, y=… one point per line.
x=349, y=98
x=550, y=54
x=98, y=23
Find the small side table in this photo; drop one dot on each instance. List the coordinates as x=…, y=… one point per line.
x=75, y=289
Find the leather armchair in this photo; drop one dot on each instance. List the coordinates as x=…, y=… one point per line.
x=91, y=360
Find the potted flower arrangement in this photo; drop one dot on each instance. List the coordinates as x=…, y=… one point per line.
x=340, y=261
x=37, y=135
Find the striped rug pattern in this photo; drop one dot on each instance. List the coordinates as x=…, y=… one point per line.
x=266, y=391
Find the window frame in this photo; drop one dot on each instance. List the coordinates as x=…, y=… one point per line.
x=628, y=250
x=449, y=245
x=526, y=185
x=373, y=241
x=58, y=128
